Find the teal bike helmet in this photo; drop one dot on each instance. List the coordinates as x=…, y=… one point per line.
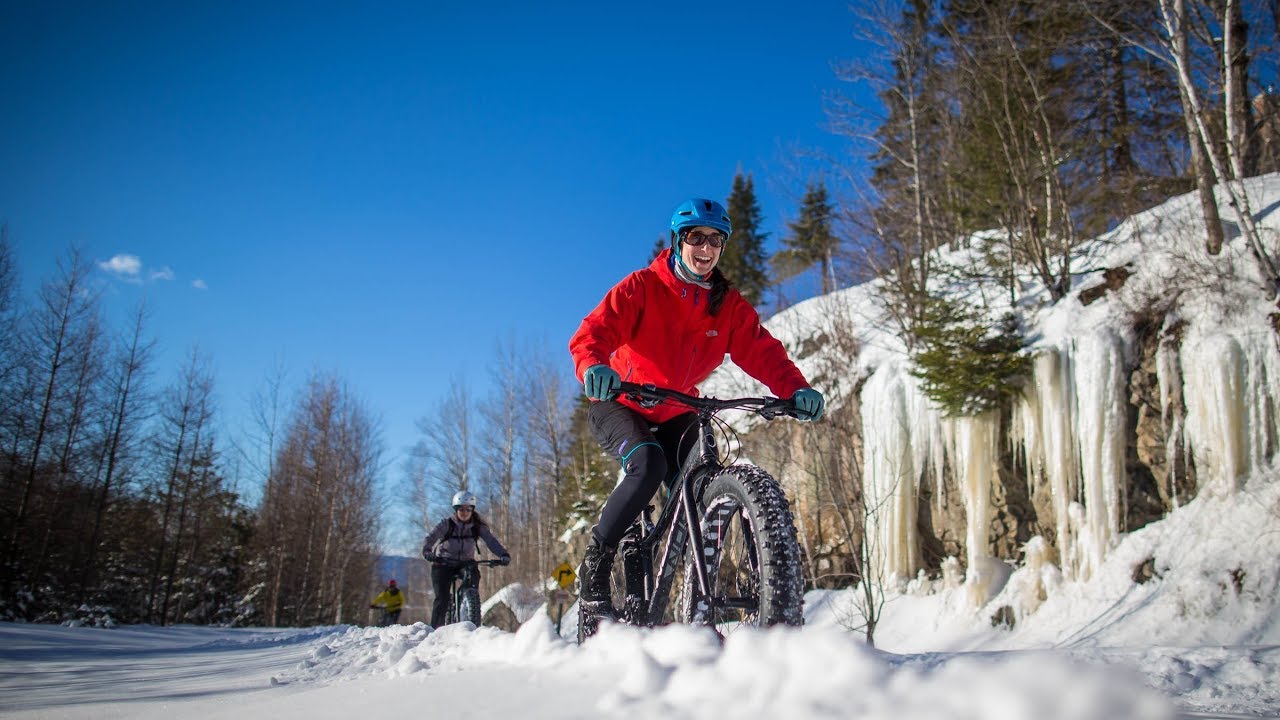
x=699, y=212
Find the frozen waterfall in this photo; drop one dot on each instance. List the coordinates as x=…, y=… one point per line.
x=1072, y=430
x=1231, y=383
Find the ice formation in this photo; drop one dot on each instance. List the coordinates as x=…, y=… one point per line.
x=1072, y=429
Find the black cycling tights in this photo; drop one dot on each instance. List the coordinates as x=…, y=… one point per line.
x=647, y=455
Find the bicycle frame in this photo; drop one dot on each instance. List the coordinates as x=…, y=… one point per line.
x=647, y=592
x=459, y=582
x=469, y=577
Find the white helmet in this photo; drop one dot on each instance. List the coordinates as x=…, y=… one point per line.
x=462, y=497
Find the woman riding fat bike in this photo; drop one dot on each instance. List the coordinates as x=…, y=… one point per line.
x=451, y=542
x=464, y=591
x=670, y=325
x=728, y=526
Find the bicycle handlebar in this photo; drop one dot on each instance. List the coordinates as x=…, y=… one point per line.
x=464, y=563
x=650, y=395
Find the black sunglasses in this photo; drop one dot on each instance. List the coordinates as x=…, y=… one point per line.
x=714, y=239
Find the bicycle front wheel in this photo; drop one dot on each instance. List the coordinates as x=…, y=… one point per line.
x=751, y=555
x=469, y=606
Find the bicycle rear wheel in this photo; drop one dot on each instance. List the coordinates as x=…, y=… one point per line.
x=753, y=561
x=469, y=605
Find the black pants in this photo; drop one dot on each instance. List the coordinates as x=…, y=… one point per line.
x=390, y=617
x=649, y=455
x=442, y=583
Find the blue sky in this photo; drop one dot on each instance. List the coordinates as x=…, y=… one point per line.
x=386, y=190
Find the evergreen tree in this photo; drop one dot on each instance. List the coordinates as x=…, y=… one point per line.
x=743, y=260
x=658, y=246
x=966, y=365
x=812, y=240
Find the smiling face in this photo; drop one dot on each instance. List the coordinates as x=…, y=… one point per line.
x=702, y=258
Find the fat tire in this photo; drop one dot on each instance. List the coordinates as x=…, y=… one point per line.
x=469, y=606
x=749, y=500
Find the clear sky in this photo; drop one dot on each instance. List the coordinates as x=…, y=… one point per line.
x=385, y=190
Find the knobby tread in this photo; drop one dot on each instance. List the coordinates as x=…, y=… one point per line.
x=754, y=493
x=469, y=606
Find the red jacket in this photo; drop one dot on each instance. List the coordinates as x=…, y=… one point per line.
x=654, y=328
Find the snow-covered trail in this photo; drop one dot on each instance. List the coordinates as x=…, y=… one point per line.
x=676, y=672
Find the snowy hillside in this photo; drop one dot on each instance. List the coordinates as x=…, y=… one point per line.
x=1219, y=393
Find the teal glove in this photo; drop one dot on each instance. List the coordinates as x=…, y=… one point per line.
x=600, y=381
x=809, y=404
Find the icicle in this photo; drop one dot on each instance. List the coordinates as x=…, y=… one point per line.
x=1048, y=422
x=1169, y=375
x=974, y=448
x=1100, y=431
x=1229, y=385
x=890, y=473
x=1024, y=433
x=928, y=447
x=1213, y=396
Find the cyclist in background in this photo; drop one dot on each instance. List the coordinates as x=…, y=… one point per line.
x=391, y=601
x=453, y=540
x=670, y=324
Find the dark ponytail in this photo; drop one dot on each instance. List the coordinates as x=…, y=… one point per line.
x=719, y=288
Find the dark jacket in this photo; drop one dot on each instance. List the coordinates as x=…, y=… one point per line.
x=452, y=539
x=655, y=328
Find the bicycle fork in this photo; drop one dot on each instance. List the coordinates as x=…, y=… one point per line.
x=705, y=550
x=706, y=542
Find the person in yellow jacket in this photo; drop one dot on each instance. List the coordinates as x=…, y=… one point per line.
x=391, y=601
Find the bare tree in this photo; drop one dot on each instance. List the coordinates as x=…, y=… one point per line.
x=500, y=435
x=186, y=414
x=548, y=397
x=901, y=212
x=847, y=515
x=57, y=336
x=121, y=418
x=266, y=410
x=8, y=308
x=1207, y=43
x=447, y=443
x=320, y=512
x=1228, y=173
x=418, y=488
x=70, y=451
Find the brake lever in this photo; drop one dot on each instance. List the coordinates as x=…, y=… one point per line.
x=775, y=410
x=643, y=401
